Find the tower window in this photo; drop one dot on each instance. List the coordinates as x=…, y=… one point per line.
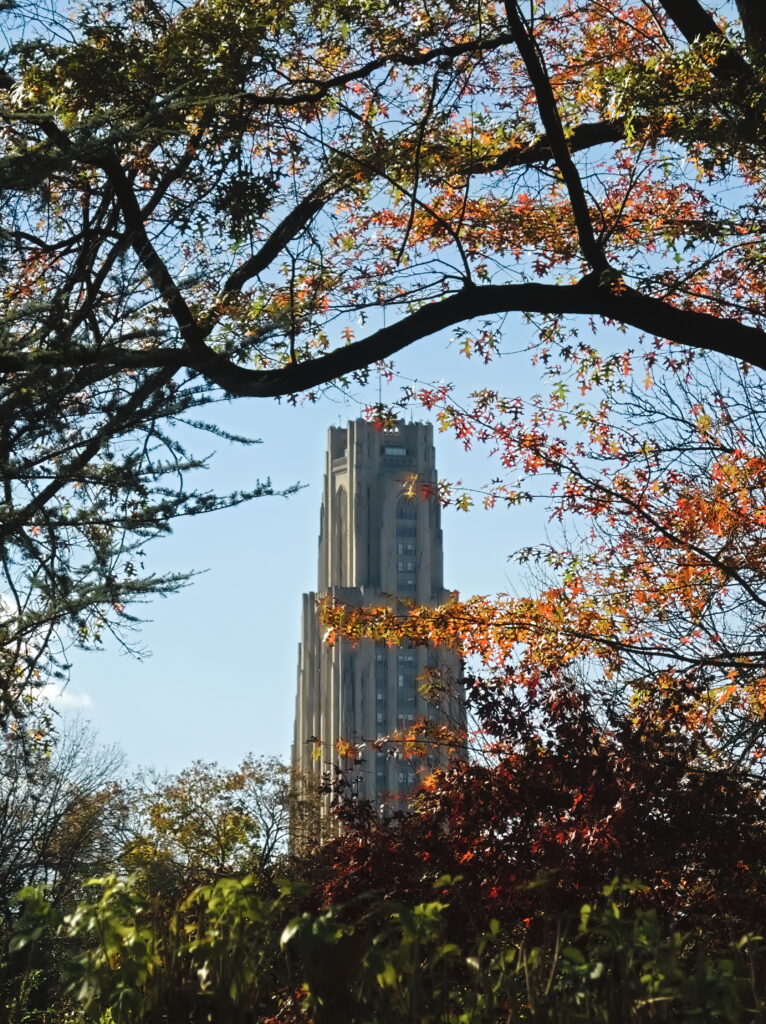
x=406, y=526
x=406, y=509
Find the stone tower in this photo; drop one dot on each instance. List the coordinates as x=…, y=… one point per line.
x=380, y=543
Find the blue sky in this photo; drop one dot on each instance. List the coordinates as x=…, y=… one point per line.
x=218, y=677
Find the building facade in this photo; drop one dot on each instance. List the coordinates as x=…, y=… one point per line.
x=380, y=543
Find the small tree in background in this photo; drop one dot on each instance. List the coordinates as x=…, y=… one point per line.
x=207, y=823
x=61, y=814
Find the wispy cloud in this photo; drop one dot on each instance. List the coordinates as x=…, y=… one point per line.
x=65, y=697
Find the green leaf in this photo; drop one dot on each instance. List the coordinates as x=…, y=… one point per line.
x=290, y=931
x=387, y=978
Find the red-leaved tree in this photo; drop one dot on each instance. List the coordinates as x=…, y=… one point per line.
x=619, y=701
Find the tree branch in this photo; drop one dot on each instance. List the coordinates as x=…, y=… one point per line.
x=321, y=89
x=694, y=22
x=655, y=316
x=150, y=259
x=549, y=114
x=752, y=14
x=583, y=136
x=297, y=219
x=589, y=297
x=691, y=18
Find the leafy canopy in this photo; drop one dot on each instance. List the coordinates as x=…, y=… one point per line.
x=210, y=200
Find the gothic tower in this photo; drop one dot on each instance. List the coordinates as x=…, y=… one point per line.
x=380, y=543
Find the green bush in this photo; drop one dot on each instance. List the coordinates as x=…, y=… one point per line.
x=232, y=953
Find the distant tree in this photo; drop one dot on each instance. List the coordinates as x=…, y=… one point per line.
x=61, y=814
x=208, y=199
x=207, y=823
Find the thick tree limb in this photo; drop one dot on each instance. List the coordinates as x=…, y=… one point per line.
x=589, y=297
x=583, y=136
x=655, y=316
x=695, y=22
x=691, y=18
x=150, y=259
x=752, y=13
x=554, y=130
